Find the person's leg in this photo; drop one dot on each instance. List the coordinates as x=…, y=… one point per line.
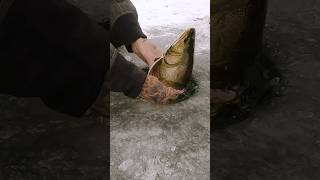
x=52, y=50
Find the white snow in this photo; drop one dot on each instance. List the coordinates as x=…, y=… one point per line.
x=166, y=15
x=171, y=12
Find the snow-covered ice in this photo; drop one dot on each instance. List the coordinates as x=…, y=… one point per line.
x=164, y=14
x=171, y=12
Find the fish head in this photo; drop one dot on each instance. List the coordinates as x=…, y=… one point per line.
x=175, y=67
x=182, y=49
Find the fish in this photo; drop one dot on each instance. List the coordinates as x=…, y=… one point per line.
x=236, y=72
x=175, y=67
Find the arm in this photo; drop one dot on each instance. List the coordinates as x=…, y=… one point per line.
x=126, y=30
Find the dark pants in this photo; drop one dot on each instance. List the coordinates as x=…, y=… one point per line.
x=52, y=50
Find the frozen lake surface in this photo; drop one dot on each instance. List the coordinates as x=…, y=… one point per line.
x=168, y=12
x=164, y=15
x=165, y=142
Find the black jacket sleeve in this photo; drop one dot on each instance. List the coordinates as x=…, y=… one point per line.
x=125, y=31
x=125, y=76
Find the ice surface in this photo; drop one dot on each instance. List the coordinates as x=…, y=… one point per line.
x=173, y=13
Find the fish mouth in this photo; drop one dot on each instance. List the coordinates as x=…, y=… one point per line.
x=185, y=37
x=181, y=47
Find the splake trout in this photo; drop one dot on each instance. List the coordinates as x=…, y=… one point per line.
x=175, y=67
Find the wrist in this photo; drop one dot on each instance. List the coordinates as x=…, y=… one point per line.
x=137, y=45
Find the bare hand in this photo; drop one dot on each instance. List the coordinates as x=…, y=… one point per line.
x=146, y=50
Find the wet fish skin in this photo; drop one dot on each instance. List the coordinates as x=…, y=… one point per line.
x=175, y=68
